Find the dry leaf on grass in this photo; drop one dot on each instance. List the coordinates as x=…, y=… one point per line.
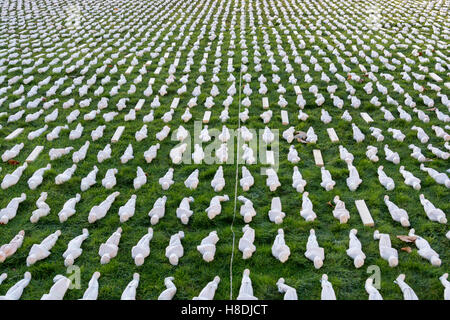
x=407, y=238
x=407, y=249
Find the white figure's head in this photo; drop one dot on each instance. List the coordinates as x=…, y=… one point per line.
x=139, y=260
x=393, y=261
x=173, y=259
x=318, y=262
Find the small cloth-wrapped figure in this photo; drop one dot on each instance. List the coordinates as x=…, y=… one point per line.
x=222, y=153
x=174, y=250
x=142, y=249
x=43, y=209
x=158, y=210
x=248, y=156
x=13, y=152
x=293, y=155
x=207, y=247
x=11, y=179
x=74, y=248
x=439, y=177
x=109, y=249
x=170, y=289
x=184, y=211
x=327, y=182
x=425, y=250
x=410, y=179
x=127, y=211
x=327, y=289
x=130, y=291
x=109, y=181
x=91, y=292
x=345, y=155
x=417, y=153
x=176, y=153
x=42, y=250
x=246, y=245
x=354, y=250
x=215, y=207
x=59, y=289
x=279, y=248
x=397, y=134
x=37, y=177
x=66, y=175
x=391, y=155
x=371, y=153
x=247, y=210
x=297, y=180
x=372, y=291
x=313, y=252
x=289, y=292
x=376, y=133
x=340, y=212
x=68, y=209
x=246, y=290
x=100, y=211
x=209, y=290
x=433, y=213
x=275, y=213
x=192, y=181
x=353, y=181
x=167, y=180
x=218, y=182
x=421, y=134
x=10, y=248
x=288, y=134
x=247, y=179
x=198, y=154
x=140, y=180
x=104, y=154
x=58, y=152
x=15, y=292
x=385, y=181
x=446, y=285
x=397, y=214
x=307, y=208
x=268, y=136
x=386, y=251
x=311, y=137
x=408, y=292
x=272, y=179
x=151, y=153
x=89, y=180
x=358, y=136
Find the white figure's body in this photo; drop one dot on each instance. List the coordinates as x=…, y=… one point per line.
x=100, y=211
x=311, y=137
x=358, y=136
x=127, y=210
x=174, y=251
x=275, y=213
x=142, y=249
x=9, y=212
x=74, y=248
x=80, y=155
x=151, y=153
x=397, y=214
x=170, y=289
x=104, y=154
x=91, y=292
x=371, y=153
x=184, y=211
x=438, y=152
x=327, y=181
x=433, y=213
x=10, y=248
x=289, y=292
x=69, y=208
x=218, y=182
x=207, y=247
x=109, y=249
x=354, y=250
x=327, y=289
x=345, y=155
x=198, y=154
x=297, y=180
x=141, y=178
x=59, y=289
x=15, y=292
x=353, y=181
x=408, y=292
x=391, y=155
x=130, y=291
x=66, y=175
x=215, y=206
x=421, y=135
x=439, y=177
x=307, y=208
x=43, y=209
x=425, y=250
x=372, y=291
x=247, y=179
x=247, y=155
x=313, y=252
x=167, y=180
x=385, y=181
x=293, y=155
x=56, y=153
x=417, y=153
x=11, y=179
x=272, y=180
x=246, y=245
x=127, y=155
x=176, y=153
x=13, y=152
x=42, y=250
x=209, y=290
x=446, y=285
x=246, y=290
x=386, y=251
x=376, y=133
x=279, y=248
x=247, y=210
x=109, y=181
x=38, y=176
x=410, y=179
x=192, y=181
x=340, y=212
x=158, y=210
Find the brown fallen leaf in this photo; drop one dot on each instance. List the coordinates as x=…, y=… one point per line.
x=407, y=238
x=407, y=249
x=13, y=162
x=330, y=204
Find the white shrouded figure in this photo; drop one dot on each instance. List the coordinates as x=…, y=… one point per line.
x=397, y=214
x=13, y=152
x=417, y=153
x=198, y=154
x=11, y=179
x=184, y=211
x=353, y=181
x=74, y=250
x=247, y=210
x=130, y=291
x=386, y=251
x=174, y=251
x=42, y=250
x=410, y=179
x=10, y=248
x=307, y=208
x=109, y=181
x=439, y=177
x=371, y=290
x=297, y=180
x=340, y=212
x=275, y=213
x=246, y=245
x=408, y=292
x=127, y=210
x=141, y=178
x=391, y=156
x=385, y=181
x=69, y=208
x=218, y=182
x=209, y=290
x=66, y=175
x=142, y=249
x=371, y=153
x=59, y=289
x=358, y=136
x=98, y=212
x=109, y=249
x=247, y=155
x=433, y=213
x=215, y=206
x=151, y=153
x=176, y=153
x=425, y=250
x=37, y=177
x=43, y=209
x=327, y=181
x=293, y=155
x=89, y=180
x=314, y=252
x=279, y=248
x=327, y=289
x=272, y=179
x=289, y=292
x=158, y=210
x=246, y=289
x=91, y=292
x=354, y=250
x=192, y=181
x=345, y=155
x=207, y=247
x=446, y=285
x=170, y=291
x=247, y=179
x=15, y=292
x=167, y=180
